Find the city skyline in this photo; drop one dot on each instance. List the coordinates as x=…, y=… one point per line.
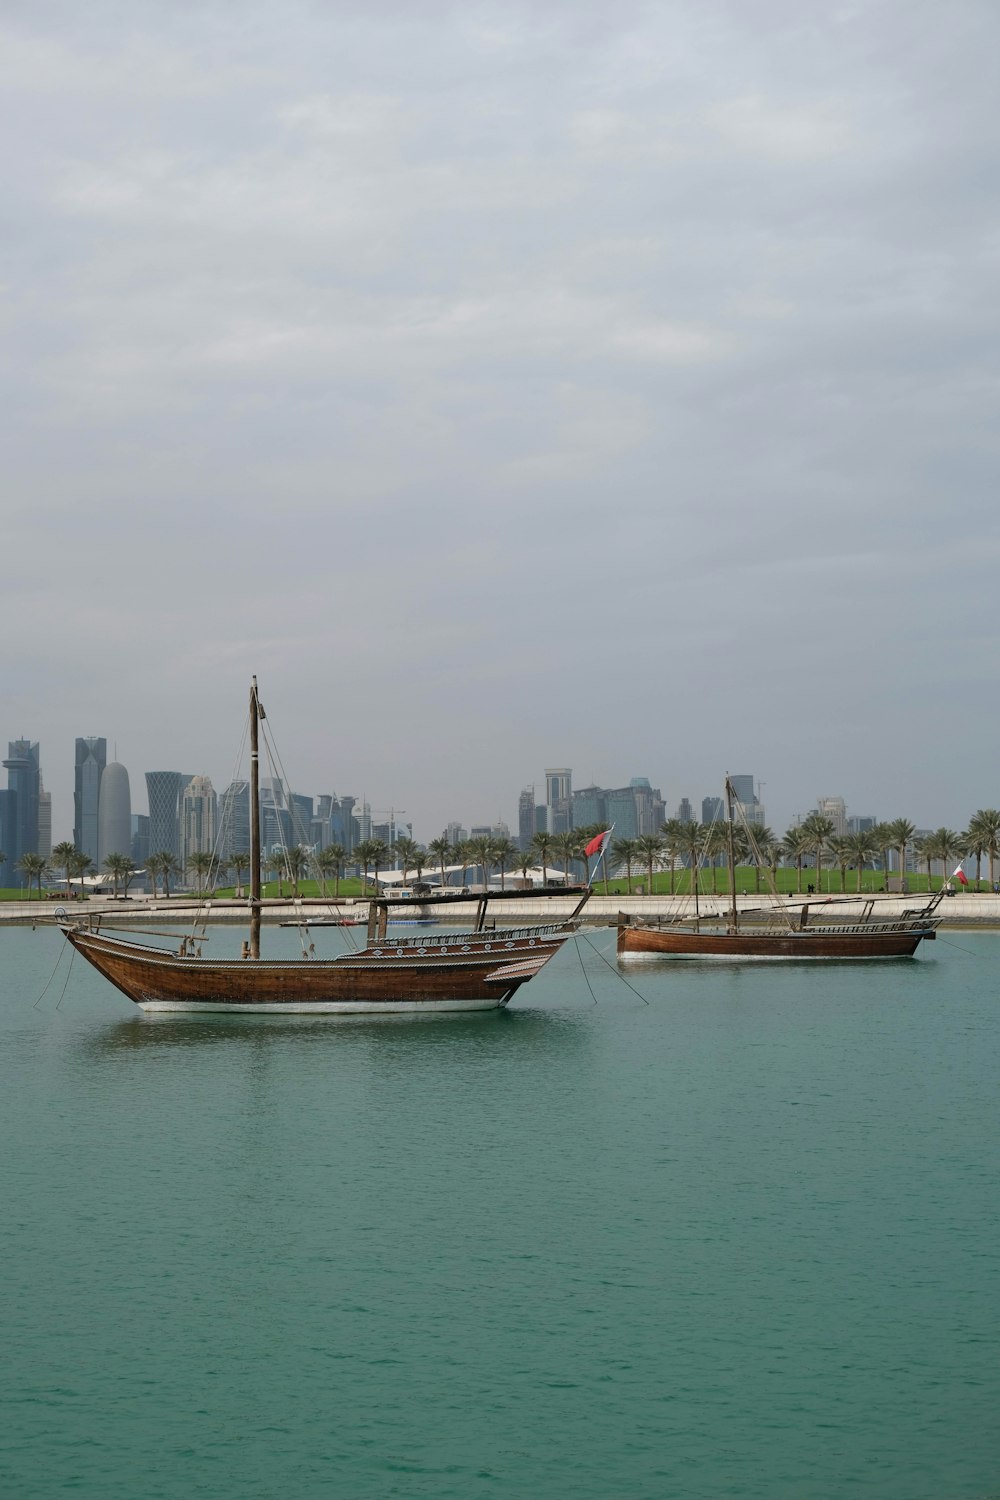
x=172, y=828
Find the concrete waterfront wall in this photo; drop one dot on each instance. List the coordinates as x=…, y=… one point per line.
x=965, y=910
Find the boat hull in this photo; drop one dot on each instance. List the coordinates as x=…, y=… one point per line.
x=665, y=942
x=471, y=972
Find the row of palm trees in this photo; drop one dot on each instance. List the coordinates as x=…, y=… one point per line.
x=678, y=845
x=813, y=840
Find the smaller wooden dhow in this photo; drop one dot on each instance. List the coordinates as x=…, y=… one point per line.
x=481, y=969
x=783, y=933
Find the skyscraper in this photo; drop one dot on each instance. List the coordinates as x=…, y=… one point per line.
x=526, y=817
x=91, y=758
x=21, y=805
x=114, y=814
x=234, y=819
x=198, y=818
x=44, y=819
x=163, y=788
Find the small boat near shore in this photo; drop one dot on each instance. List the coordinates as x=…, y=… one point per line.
x=775, y=935
x=481, y=969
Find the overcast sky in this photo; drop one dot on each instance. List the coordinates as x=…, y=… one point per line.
x=609, y=386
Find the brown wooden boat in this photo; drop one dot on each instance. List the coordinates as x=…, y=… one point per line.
x=866, y=937
x=872, y=939
x=480, y=969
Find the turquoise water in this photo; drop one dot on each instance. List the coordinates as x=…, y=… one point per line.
x=741, y=1240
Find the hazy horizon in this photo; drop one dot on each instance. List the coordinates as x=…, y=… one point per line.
x=507, y=388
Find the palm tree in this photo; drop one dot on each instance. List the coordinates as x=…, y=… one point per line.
x=901, y=831
x=987, y=824
x=796, y=843
x=650, y=848
x=200, y=862
x=240, y=861
x=33, y=865
x=771, y=849
x=504, y=850
x=883, y=840
x=331, y=861
x=297, y=863
x=442, y=852
x=759, y=850
x=924, y=848
x=153, y=871
x=115, y=865
x=672, y=834
x=541, y=845
x=81, y=864
x=524, y=862
x=840, y=848
x=691, y=843
x=862, y=847
x=565, y=846
x=63, y=856
x=406, y=851
x=482, y=853
x=168, y=866
x=714, y=841
x=465, y=856
x=626, y=852
x=369, y=852
x=949, y=846
x=820, y=829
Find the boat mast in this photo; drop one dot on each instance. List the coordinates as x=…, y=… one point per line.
x=255, y=714
x=734, y=921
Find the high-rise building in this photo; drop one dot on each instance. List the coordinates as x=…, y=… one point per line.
x=163, y=788
x=91, y=758
x=301, y=810
x=589, y=807
x=649, y=809
x=140, y=840
x=20, y=832
x=199, y=806
x=526, y=817
x=713, y=809
x=743, y=790
x=234, y=819
x=44, y=820
x=559, y=798
x=342, y=823
x=114, y=814
x=685, y=812
x=835, y=809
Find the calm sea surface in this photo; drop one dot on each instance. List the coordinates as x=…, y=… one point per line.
x=742, y=1239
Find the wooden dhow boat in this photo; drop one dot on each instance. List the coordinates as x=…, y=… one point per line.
x=756, y=936
x=481, y=969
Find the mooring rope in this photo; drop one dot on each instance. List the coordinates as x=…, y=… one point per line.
x=617, y=972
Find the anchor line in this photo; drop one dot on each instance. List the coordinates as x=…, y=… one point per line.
x=614, y=971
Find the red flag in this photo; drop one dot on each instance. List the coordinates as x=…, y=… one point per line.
x=960, y=874
x=597, y=844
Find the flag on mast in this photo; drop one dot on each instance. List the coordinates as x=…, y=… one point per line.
x=959, y=874
x=597, y=844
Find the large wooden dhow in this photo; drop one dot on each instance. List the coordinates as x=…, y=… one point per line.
x=782, y=934
x=481, y=969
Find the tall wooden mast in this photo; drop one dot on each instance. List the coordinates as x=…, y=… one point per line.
x=256, y=714
x=734, y=920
